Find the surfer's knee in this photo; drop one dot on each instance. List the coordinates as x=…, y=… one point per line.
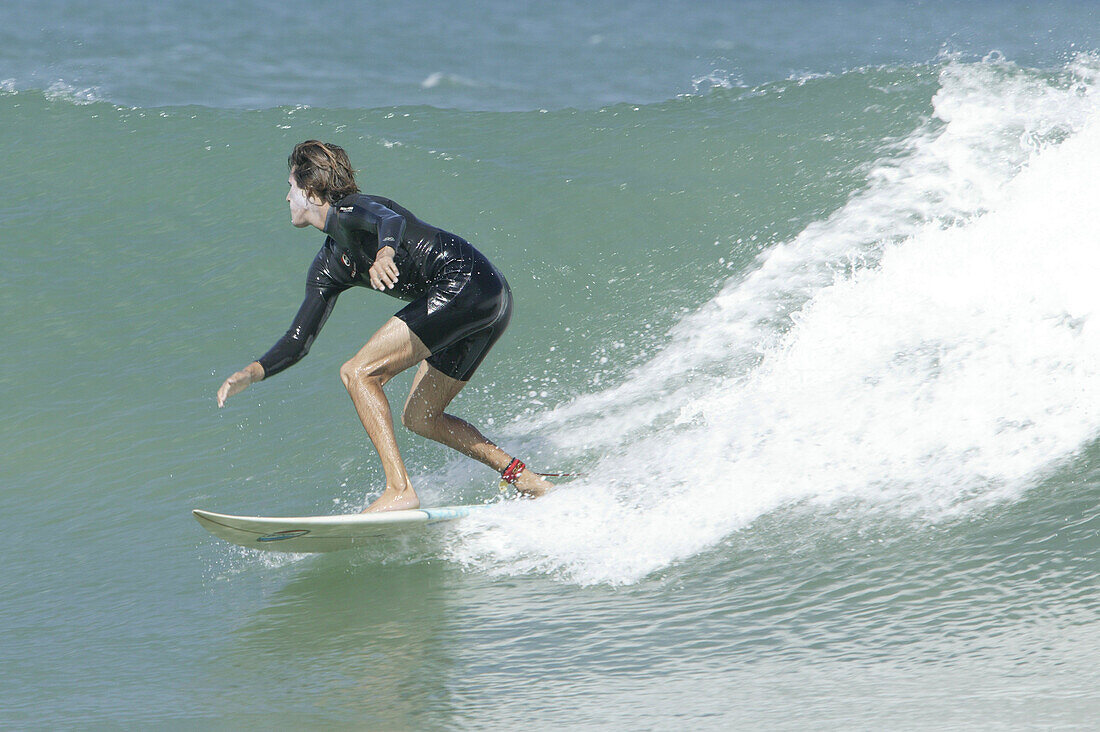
x=418, y=420
x=348, y=373
x=359, y=371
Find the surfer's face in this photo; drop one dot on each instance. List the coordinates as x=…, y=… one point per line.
x=300, y=204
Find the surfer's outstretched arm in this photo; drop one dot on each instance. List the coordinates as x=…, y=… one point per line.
x=320, y=299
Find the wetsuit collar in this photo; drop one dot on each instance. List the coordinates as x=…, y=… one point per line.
x=330, y=218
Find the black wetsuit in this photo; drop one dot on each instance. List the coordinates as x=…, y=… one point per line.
x=459, y=305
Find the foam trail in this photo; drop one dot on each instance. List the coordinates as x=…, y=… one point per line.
x=929, y=348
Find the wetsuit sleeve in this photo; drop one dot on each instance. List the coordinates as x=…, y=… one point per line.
x=321, y=294
x=389, y=223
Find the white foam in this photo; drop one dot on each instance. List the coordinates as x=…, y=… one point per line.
x=61, y=90
x=716, y=79
x=929, y=348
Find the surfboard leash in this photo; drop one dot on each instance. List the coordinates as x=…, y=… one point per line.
x=515, y=469
x=511, y=473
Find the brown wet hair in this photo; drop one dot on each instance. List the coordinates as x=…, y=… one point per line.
x=322, y=170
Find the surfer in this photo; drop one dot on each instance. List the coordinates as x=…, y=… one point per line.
x=459, y=305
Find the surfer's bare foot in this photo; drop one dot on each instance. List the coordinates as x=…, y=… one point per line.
x=532, y=485
x=392, y=500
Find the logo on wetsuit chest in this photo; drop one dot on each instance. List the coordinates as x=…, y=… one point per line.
x=347, y=262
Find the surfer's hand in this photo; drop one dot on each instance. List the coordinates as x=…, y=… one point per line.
x=383, y=273
x=239, y=381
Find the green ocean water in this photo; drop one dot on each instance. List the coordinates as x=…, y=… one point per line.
x=839, y=448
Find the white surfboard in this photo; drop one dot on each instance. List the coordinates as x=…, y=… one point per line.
x=322, y=533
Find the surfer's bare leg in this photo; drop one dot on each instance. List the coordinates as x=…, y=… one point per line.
x=431, y=392
x=390, y=351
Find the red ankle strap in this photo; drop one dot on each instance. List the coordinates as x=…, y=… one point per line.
x=513, y=471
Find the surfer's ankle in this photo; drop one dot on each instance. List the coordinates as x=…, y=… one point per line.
x=404, y=495
x=527, y=482
x=399, y=487
x=512, y=472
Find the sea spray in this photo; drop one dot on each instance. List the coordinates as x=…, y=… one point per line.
x=927, y=348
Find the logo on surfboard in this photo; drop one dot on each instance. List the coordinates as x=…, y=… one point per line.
x=280, y=535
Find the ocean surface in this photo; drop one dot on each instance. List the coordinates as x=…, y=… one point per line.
x=806, y=291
